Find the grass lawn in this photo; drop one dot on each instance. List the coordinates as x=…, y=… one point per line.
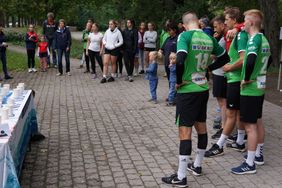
x=17, y=61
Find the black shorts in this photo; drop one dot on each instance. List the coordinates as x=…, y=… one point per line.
x=251, y=108
x=149, y=49
x=44, y=54
x=219, y=86
x=191, y=108
x=233, y=96
x=113, y=52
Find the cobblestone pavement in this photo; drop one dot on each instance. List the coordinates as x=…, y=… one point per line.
x=110, y=136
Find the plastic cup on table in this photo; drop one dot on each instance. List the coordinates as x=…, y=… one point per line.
x=16, y=93
x=21, y=84
x=21, y=89
x=7, y=86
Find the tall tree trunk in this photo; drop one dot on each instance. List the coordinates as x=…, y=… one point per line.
x=2, y=19
x=19, y=21
x=13, y=21
x=7, y=20
x=271, y=26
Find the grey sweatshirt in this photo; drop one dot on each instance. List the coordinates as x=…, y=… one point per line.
x=150, y=38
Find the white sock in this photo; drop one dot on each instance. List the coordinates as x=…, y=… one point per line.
x=221, y=140
x=182, y=166
x=251, y=158
x=259, y=150
x=199, y=157
x=104, y=76
x=240, y=137
x=114, y=75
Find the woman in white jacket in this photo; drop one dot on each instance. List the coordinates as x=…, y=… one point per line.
x=112, y=41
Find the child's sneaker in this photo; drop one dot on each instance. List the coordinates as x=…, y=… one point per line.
x=104, y=80
x=34, y=70
x=94, y=76
x=29, y=70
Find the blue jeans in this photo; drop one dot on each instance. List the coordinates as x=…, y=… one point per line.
x=60, y=58
x=53, y=52
x=153, y=88
x=4, y=63
x=172, y=92
x=141, y=56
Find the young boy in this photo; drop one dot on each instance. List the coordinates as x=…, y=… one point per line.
x=152, y=75
x=172, y=79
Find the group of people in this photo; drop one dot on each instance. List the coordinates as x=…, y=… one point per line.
x=240, y=55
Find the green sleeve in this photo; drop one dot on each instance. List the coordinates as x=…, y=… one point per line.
x=254, y=44
x=242, y=40
x=183, y=42
x=217, y=49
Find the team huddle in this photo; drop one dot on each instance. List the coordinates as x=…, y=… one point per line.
x=240, y=56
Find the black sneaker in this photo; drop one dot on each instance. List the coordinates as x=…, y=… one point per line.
x=217, y=134
x=111, y=79
x=258, y=160
x=232, y=138
x=214, y=151
x=236, y=146
x=173, y=180
x=196, y=171
x=104, y=80
x=130, y=79
x=141, y=72
x=217, y=124
x=8, y=77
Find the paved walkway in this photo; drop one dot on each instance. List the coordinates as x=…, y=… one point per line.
x=110, y=136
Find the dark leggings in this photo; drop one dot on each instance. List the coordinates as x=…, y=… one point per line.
x=30, y=58
x=119, y=63
x=95, y=55
x=129, y=62
x=86, y=60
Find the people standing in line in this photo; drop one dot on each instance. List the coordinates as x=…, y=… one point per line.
x=192, y=94
x=172, y=79
x=169, y=45
x=121, y=26
x=3, y=47
x=43, y=53
x=85, y=35
x=112, y=40
x=142, y=29
x=150, y=39
x=152, y=75
x=49, y=29
x=62, y=43
x=130, y=45
x=31, y=40
x=94, y=48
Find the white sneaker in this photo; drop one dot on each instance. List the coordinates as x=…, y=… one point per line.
x=34, y=70
x=135, y=74
x=68, y=73
x=59, y=74
x=29, y=70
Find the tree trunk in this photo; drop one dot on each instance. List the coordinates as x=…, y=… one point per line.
x=13, y=21
x=19, y=21
x=2, y=19
x=7, y=20
x=271, y=26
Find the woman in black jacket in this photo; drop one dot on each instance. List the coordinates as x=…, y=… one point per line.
x=130, y=38
x=62, y=43
x=3, y=46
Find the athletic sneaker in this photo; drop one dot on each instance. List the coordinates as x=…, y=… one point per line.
x=104, y=80
x=34, y=70
x=233, y=138
x=130, y=79
x=244, y=168
x=135, y=74
x=217, y=134
x=111, y=79
x=258, y=160
x=236, y=146
x=94, y=76
x=29, y=70
x=126, y=78
x=214, y=151
x=59, y=74
x=196, y=171
x=68, y=73
x=173, y=180
x=216, y=124
x=141, y=72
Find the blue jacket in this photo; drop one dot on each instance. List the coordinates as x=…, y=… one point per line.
x=2, y=39
x=172, y=75
x=168, y=47
x=62, y=39
x=152, y=71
